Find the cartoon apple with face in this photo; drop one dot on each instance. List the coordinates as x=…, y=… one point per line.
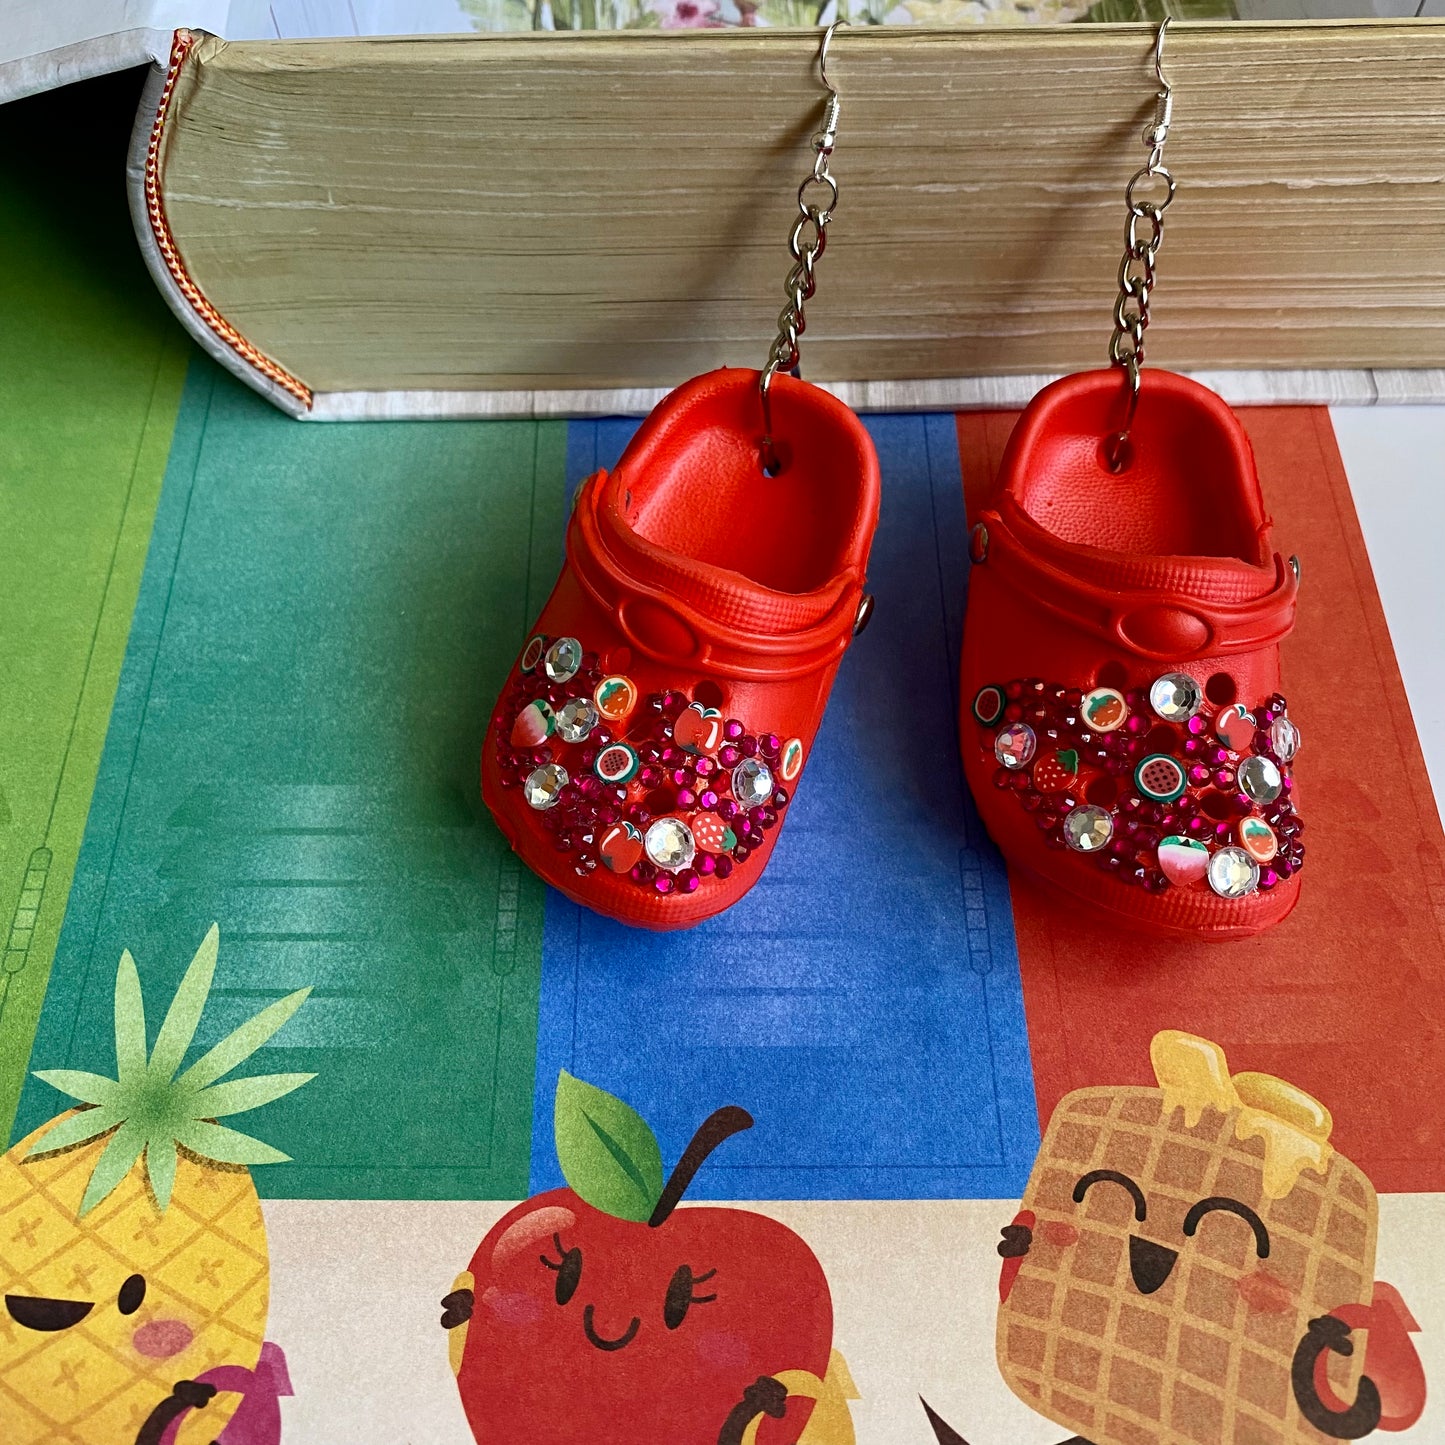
x=601, y=1314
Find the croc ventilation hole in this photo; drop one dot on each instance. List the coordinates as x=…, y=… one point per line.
x=1217, y=806
x=1220, y=689
x=709, y=694
x=1161, y=739
x=1102, y=792
x=775, y=459
x=1112, y=674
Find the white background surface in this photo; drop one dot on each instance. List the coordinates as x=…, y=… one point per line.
x=1395, y=460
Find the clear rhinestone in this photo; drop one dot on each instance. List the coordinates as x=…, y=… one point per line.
x=1233, y=873
x=670, y=845
x=1259, y=780
x=752, y=782
x=1015, y=746
x=563, y=659
x=576, y=719
x=1087, y=828
x=1285, y=737
x=544, y=785
x=1175, y=697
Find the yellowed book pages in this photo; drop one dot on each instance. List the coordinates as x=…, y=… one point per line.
x=577, y=211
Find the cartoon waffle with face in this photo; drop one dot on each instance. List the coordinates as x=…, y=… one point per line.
x=1195, y=1263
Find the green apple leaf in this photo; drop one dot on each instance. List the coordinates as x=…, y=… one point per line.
x=608, y=1154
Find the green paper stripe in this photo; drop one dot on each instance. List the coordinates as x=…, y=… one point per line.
x=88, y=401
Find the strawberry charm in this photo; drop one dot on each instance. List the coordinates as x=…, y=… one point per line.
x=1057, y=772
x=712, y=835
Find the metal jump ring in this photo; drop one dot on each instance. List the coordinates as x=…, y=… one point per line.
x=1150, y=173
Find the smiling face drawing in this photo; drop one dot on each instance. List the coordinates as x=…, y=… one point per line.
x=1172, y=1247
x=585, y=1327
x=604, y=1314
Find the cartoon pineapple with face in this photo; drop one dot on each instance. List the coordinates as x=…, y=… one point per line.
x=133, y=1261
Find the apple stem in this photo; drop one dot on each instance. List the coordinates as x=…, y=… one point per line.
x=719, y=1125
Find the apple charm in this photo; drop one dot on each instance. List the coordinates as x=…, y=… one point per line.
x=602, y=1314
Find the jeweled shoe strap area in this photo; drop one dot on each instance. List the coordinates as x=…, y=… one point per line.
x=1153, y=623
x=1156, y=783
x=662, y=789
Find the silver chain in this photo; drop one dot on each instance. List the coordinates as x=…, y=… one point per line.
x=806, y=242
x=1143, y=235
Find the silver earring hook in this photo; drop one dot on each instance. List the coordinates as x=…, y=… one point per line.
x=1158, y=133
x=823, y=57
x=1147, y=197
x=1159, y=54
x=817, y=200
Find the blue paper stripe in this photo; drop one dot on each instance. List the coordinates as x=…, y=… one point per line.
x=863, y=1002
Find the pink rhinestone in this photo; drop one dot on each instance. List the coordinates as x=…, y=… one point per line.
x=687, y=880
x=729, y=756
x=733, y=729
x=686, y=798
x=724, y=867
x=707, y=798
x=1198, y=775
x=663, y=883
x=706, y=863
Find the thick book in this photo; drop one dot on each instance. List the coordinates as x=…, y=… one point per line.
x=571, y=222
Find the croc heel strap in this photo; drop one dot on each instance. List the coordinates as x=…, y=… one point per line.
x=705, y=632
x=1160, y=623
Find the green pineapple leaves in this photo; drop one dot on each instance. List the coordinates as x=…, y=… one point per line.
x=155, y=1108
x=608, y=1155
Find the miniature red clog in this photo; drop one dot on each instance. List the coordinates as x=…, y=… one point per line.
x=654, y=727
x=1121, y=721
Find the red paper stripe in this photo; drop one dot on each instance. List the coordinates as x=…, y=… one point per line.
x=1346, y=998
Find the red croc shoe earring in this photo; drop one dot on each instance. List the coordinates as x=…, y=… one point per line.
x=648, y=741
x=1121, y=719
